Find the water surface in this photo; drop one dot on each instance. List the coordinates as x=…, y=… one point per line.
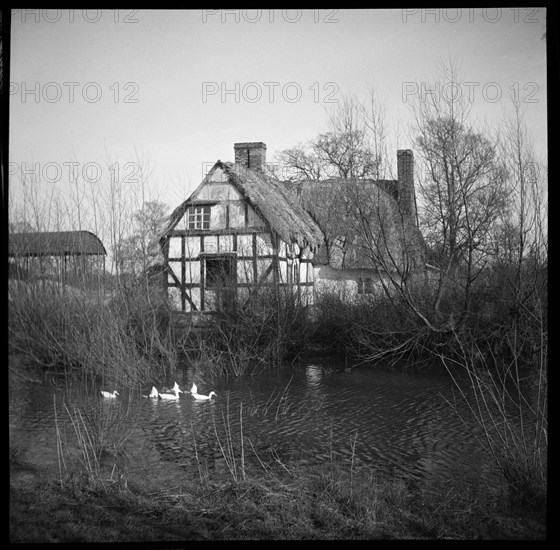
x=391, y=422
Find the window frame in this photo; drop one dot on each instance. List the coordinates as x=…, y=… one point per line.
x=198, y=217
x=365, y=285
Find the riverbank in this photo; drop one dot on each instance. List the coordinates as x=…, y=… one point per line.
x=291, y=503
x=275, y=500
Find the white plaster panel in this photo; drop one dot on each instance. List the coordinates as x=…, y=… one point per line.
x=245, y=245
x=211, y=243
x=237, y=214
x=226, y=243
x=264, y=244
x=192, y=272
x=192, y=247
x=175, y=247
x=218, y=216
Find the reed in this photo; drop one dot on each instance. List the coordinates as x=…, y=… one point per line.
x=353, y=448
x=95, y=443
x=227, y=448
x=62, y=468
x=509, y=405
x=277, y=402
x=235, y=447
x=280, y=405
x=202, y=471
x=121, y=343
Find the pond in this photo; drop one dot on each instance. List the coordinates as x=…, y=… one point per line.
x=394, y=422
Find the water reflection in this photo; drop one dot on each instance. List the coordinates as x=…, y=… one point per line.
x=313, y=375
x=384, y=420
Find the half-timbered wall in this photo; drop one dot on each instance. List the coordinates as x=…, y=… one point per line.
x=236, y=241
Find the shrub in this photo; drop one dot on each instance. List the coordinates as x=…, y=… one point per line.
x=122, y=343
x=244, y=336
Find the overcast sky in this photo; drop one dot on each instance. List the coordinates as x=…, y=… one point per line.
x=180, y=87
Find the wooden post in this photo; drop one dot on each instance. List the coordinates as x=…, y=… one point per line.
x=64, y=275
x=183, y=273
x=255, y=263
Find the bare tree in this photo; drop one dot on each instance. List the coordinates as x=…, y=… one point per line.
x=463, y=187
x=352, y=147
x=145, y=222
x=374, y=114
x=297, y=163
x=525, y=222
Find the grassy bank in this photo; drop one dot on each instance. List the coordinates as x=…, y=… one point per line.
x=294, y=503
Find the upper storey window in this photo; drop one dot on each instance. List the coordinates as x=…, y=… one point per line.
x=198, y=217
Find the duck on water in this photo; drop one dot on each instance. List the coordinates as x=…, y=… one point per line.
x=201, y=397
x=173, y=396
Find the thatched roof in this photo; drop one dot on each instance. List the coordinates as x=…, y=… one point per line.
x=345, y=209
x=55, y=243
x=278, y=207
x=275, y=204
x=324, y=215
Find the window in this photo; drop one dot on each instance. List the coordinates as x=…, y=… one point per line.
x=365, y=286
x=198, y=217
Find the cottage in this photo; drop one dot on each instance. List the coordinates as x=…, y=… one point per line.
x=242, y=229
x=238, y=230
x=370, y=230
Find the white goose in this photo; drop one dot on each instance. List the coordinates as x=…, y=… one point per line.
x=109, y=395
x=200, y=397
x=172, y=396
x=153, y=394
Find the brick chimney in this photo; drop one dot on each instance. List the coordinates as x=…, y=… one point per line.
x=251, y=155
x=406, y=195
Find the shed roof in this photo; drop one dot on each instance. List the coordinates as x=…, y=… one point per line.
x=55, y=243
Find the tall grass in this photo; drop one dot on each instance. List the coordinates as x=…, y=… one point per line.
x=510, y=406
x=234, y=459
x=91, y=439
x=278, y=405
x=277, y=402
x=123, y=343
x=234, y=446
